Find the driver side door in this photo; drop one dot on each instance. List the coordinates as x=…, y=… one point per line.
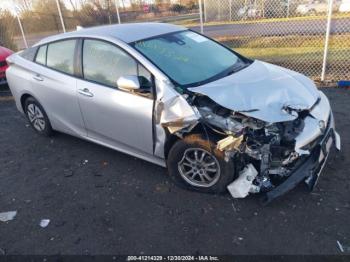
x=117, y=118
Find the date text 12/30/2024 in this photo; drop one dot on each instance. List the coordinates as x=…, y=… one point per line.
x=172, y=258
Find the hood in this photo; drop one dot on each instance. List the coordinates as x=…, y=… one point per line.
x=261, y=91
x=4, y=52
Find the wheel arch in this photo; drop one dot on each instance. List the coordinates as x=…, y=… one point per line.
x=199, y=130
x=23, y=99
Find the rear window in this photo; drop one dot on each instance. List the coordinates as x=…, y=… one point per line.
x=29, y=53
x=60, y=56
x=41, y=55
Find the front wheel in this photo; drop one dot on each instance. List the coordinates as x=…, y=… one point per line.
x=196, y=164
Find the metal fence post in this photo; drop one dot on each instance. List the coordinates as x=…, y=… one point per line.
x=22, y=31
x=205, y=10
x=117, y=8
x=201, y=15
x=326, y=44
x=219, y=10
x=61, y=17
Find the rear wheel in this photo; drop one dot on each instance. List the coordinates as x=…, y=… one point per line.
x=37, y=117
x=196, y=164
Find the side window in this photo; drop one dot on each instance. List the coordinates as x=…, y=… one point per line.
x=60, y=56
x=41, y=55
x=104, y=63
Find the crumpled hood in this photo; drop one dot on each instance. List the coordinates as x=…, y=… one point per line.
x=261, y=91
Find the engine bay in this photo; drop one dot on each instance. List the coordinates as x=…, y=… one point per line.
x=268, y=147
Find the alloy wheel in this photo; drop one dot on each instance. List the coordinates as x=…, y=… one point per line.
x=36, y=117
x=199, y=167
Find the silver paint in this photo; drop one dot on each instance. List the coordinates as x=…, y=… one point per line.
x=261, y=90
x=123, y=121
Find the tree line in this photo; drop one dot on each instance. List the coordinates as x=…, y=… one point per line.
x=41, y=16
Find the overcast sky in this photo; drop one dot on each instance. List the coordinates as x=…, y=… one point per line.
x=8, y=4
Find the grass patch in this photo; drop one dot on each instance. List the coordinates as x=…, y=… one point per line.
x=295, y=41
x=306, y=53
x=300, y=53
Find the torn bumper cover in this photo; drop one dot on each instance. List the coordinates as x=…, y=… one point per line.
x=310, y=167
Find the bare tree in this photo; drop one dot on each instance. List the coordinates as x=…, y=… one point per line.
x=23, y=5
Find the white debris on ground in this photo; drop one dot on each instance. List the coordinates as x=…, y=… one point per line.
x=243, y=185
x=7, y=216
x=340, y=246
x=44, y=223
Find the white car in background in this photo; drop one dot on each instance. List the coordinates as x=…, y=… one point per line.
x=314, y=7
x=249, y=12
x=344, y=6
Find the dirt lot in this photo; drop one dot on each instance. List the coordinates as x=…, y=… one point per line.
x=104, y=202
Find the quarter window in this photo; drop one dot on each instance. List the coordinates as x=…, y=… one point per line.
x=41, y=55
x=60, y=56
x=105, y=63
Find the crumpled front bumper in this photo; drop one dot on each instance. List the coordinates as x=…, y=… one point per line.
x=310, y=169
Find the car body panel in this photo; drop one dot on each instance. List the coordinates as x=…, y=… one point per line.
x=54, y=89
x=264, y=95
x=19, y=78
x=117, y=117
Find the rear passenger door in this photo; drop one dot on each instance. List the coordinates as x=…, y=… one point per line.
x=118, y=118
x=54, y=85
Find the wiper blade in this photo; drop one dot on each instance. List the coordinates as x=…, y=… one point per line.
x=235, y=69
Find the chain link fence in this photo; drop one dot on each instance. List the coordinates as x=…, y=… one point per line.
x=290, y=33
x=309, y=36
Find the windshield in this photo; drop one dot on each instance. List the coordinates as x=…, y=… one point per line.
x=188, y=58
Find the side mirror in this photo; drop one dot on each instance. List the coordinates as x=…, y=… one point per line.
x=128, y=83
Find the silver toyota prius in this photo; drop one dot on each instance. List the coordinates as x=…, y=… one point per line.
x=216, y=119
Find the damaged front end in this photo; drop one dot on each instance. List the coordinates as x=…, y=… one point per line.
x=273, y=157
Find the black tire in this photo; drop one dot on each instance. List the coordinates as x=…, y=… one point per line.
x=44, y=130
x=193, y=142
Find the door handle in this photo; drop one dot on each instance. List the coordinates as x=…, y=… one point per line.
x=85, y=92
x=38, y=78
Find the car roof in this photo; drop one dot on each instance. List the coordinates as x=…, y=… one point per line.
x=127, y=33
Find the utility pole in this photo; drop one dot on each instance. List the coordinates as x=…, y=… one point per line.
x=117, y=8
x=60, y=13
x=22, y=31
x=326, y=44
x=201, y=15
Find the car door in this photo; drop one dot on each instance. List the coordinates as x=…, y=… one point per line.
x=54, y=85
x=112, y=116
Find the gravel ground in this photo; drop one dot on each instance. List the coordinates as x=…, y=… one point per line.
x=101, y=201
